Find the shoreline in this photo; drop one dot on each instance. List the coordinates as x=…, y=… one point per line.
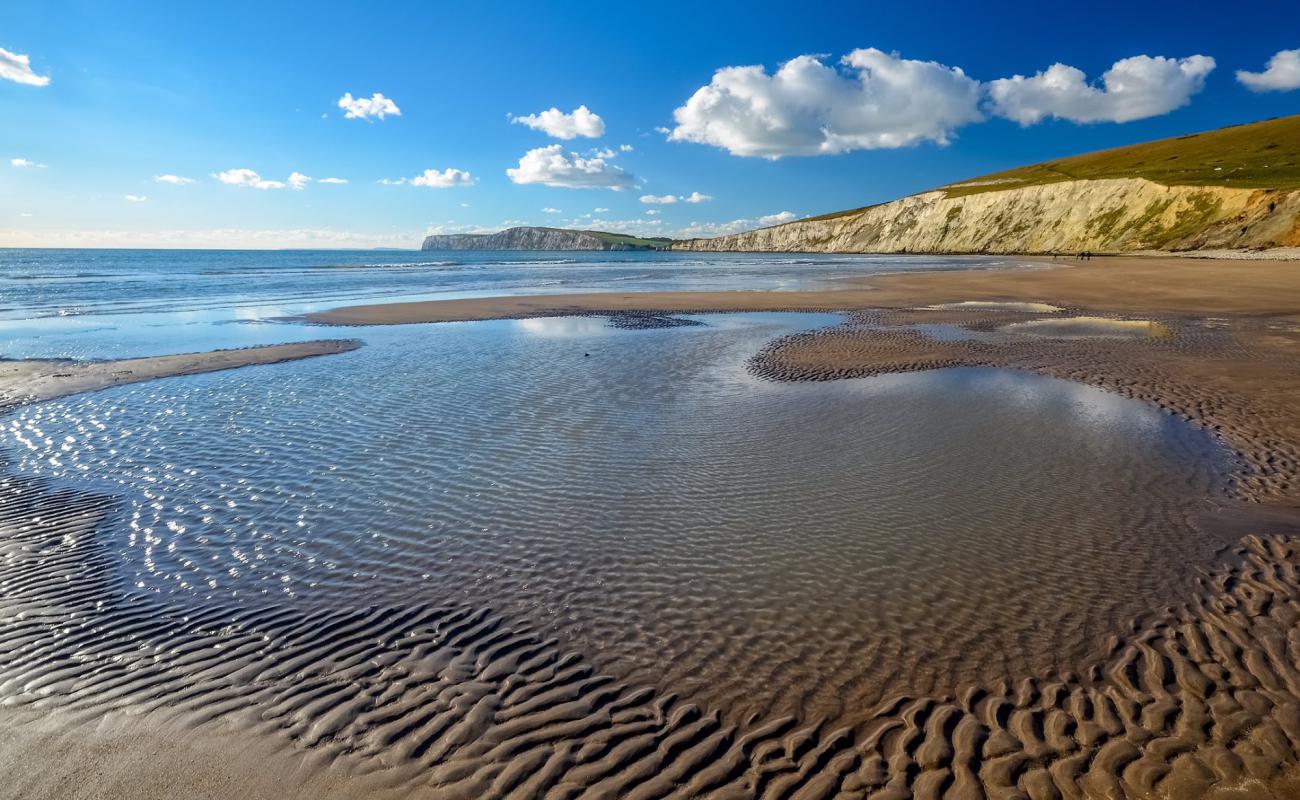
x=36, y=379
x=1145, y=285
x=1194, y=699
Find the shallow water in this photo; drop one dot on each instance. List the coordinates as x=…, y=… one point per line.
x=1090, y=328
x=749, y=544
x=123, y=303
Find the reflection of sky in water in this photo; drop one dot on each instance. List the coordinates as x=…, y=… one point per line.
x=1088, y=327
x=564, y=327
x=651, y=502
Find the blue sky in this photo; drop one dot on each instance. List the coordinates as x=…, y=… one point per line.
x=112, y=95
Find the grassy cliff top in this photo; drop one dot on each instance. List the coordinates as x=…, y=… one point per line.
x=631, y=241
x=1259, y=155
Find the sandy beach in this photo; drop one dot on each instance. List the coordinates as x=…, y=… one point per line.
x=1120, y=284
x=1197, y=699
x=33, y=380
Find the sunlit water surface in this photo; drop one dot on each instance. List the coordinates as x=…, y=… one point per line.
x=120, y=303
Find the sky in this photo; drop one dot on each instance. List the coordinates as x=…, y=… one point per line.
x=266, y=124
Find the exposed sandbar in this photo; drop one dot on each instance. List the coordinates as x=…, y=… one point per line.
x=1120, y=284
x=33, y=380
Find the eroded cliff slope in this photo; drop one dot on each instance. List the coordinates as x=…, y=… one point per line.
x=1115, y=215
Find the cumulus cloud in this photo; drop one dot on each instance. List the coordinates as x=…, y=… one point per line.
x=333, y=180
x=374, y=107
x=549, y=210
x=247, y=177
x=701, y=230
x=175, y=180
x=554, y=122
x=625, y=148
x=551, y=166
x=299, y=181
x=777, y=218
x=1281, y=74
x=634, y=227
x=435, y=179
x=1133, y=88
x=652, y=212
x=669, y=199
x=22, y=162
x=135, y=198
x=18, y=68
x=599, y=210
x=870, y=100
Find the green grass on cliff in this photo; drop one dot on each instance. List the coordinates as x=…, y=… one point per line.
x=1260, y=155
x=630, y=241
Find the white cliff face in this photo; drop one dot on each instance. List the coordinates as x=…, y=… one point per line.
x=1121, y=215
x=523, y=238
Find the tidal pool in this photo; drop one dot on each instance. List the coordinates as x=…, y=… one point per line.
x=750, y=544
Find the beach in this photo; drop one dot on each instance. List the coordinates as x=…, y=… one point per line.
x=1193, y=695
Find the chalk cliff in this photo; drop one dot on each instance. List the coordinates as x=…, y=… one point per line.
x=1114, y=215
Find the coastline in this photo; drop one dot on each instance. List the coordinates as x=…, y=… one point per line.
x=34, y=380
x=1228, y=363
x=1197, y=699
x=1121, y=284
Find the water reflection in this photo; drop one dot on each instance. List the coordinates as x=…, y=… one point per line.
x=656, y=507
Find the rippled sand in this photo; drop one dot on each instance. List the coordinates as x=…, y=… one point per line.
x=574, y=571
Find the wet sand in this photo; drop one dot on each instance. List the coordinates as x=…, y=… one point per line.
x=1198, y=699
x=33, y=380
x=1116, y=284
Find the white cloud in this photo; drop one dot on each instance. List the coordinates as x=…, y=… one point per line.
x=635, y=227
x=247, y=177
x=445, y=179
x=605, y=152
x=1133, y=88
x=434, y=179
x=333, y=180
x=599, y=210
x=1281, y=74
x=777, y=218
x=652, y=212
x=579, y=122
x=669, y=199
x=18, y=68
x=135, y=198
x=175, y=180
x=24, y=213
x=376, y=106
x=299, y=181
x=552, y=211
x=625, y=148
x=874, y=100
x=22, y=162
x=701, y=230
x=550, y=166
